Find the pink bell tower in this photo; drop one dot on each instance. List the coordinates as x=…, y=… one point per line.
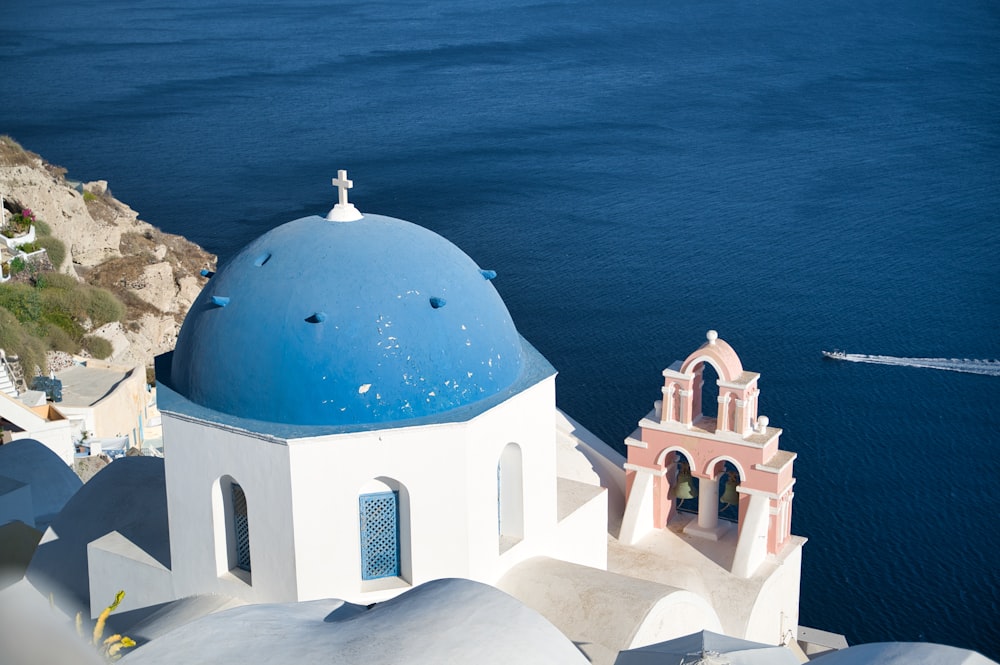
x=708, y=438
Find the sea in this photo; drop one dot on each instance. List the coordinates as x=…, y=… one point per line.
x=797, y=175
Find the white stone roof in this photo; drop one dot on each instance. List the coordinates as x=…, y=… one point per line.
x=51, y=482
x=128, y=496
x=904, y=653
x=445, y=621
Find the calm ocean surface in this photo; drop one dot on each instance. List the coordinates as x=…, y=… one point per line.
x=798, y=175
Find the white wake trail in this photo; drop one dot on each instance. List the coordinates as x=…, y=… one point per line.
x=986, y=367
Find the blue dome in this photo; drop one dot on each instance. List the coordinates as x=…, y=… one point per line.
x=346, y=323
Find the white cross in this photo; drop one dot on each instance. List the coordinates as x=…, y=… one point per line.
x=343, y=211
x=343, y=184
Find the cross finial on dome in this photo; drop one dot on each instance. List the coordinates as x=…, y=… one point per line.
x=343, y=211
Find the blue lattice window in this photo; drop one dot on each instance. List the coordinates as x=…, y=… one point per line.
x=379, y=535
x=241, y=528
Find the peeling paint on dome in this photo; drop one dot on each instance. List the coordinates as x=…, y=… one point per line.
x=369, y=277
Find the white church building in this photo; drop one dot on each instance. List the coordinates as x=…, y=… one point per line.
x=350, y=412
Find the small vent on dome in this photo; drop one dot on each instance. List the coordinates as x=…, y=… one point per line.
x=488, y=274
x=220, y=301
x=438, y=303
x=316, y=317
x=262, y=259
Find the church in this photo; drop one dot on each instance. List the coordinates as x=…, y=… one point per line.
x=351, y=413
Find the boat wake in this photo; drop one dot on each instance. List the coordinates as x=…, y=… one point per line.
x=986, y=367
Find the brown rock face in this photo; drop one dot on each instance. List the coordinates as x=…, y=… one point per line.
x=156, y=274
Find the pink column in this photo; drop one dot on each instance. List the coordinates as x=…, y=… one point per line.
x=722, y=424
x=686, y=406
x=667, y=409
x=740, y=426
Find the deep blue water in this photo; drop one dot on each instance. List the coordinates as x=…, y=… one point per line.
x=797, y=175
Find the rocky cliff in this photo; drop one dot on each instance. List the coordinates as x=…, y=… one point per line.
x=156, y=274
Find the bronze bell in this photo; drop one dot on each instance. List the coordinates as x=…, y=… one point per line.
x=683, y=488
x=730, y=497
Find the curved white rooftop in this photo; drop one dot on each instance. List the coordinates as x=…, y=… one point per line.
x=445, y=621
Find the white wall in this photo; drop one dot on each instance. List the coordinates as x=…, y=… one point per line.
x=54, y=435
x=195, y=457
x=450, y=475
x=775, y=614
x=528, y=420
x=116, y=564
x=302, y=498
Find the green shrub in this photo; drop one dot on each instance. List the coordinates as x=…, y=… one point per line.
x=29, y=247
x=89, y=196
x=16, y=340
x=103, y=307
x=51, y=314
x=10, y=330
x=55, y=248
x=21, y=300
x=55, y=281
x=58, y=339
x=42, y=229
x=97, y=346
x=72, y=302
x=17, y=266
x=55, y=301
x=64, y=322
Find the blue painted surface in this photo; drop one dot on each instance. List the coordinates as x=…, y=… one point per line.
x=241, y=527
x=534, y=369
x=50, y=386
x=344, y=324
x=379, y=517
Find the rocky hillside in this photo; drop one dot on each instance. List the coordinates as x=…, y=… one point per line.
x=156, y=274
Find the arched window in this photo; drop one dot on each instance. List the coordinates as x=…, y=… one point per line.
x=232, y=523
x=510, y=497
x=709, y=392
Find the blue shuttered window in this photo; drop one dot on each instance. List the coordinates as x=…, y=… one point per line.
x=379, y=535
x=241, y=528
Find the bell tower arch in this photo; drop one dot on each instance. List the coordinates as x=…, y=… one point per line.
x=710, y=437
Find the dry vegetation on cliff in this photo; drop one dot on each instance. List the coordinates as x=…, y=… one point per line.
x=100, y=243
